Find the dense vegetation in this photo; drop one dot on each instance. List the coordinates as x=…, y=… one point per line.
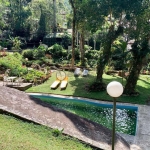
x=108, y=27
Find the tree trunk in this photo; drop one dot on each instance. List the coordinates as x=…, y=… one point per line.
x=73, y=38
x=72, y=2
x=94, y=44
x=104, y=58
x=139, y=58
x=133, y=77
x=82, y=48
x=54, y=19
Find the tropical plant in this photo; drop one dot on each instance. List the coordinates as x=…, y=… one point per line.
x=16, y=43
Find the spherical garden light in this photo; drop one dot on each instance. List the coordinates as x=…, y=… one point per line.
x=114, y=89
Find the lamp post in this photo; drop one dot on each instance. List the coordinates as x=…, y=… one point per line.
x=114, y=89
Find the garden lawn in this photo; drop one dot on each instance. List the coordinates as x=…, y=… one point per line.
x=16, y=134
x=76, y=87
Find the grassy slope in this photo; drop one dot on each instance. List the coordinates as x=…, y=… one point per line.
x=18, y=135
x=76, y=87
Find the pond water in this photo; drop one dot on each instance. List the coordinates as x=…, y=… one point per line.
x=126, y=116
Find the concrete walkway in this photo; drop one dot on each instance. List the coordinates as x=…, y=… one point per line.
x=141, y=141
x=21, y=104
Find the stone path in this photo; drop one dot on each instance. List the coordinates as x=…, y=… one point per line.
x=23, y=105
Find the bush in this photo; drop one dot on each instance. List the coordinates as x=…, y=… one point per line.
x=66, y=40
x=18, y=71
x=38, y=62
x=57, y=51
x=27, y=63
x=76, y=54
x=39, y=52
x=28, y=54
x=14, y=63
x=92, y=54
x=33, y=75
x=92, y=62
x=17, y=55
x=96, y=87
x=87, y=47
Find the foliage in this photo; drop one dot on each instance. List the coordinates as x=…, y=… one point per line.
x=33, y=74
x=39, y=52
x=16, y=43
x=76, y=54
x=28, y=53
x=87, y=47
x=13, y=62
x=36, y=53
x=92, y=63
x=38, y=61
x=17, y=55
x=5, y=43
x=57, y=132
x=42, y=25
x=66, y=40
x=92, y=54
x=18, y=14
x=138, y=30
x=119, y=54
x=57, y=51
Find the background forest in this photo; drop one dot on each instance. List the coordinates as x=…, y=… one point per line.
x=106, y=35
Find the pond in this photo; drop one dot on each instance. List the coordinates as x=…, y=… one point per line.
x=126, y=116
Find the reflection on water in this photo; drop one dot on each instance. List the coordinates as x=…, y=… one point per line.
x=102, y=114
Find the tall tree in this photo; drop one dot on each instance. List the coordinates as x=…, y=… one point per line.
x=73, y=5
x=139, y=30
x=54, y=18
x=19, y=15
x=42, y=25
x=113, y=13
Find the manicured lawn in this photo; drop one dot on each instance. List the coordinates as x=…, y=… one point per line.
x=76, y=87
x=16, y=134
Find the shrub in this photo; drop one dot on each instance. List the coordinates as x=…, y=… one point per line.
x=28, y=54
x=66, y=40
x=92, y=62
x=27, y=63
x=92, y=54
x=76, y=54
x=38, y=62
x=16, y=43
x=57, y=51
x=13, y=62
x=96, y=87
x=87, y=47
x=33, y=74
x=18, y=71
x=39, y=52
x=17, y=55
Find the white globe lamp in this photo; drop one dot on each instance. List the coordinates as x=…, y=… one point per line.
x=114, y=89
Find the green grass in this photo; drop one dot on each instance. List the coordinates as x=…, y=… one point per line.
x=16, y=134
x=76, y=87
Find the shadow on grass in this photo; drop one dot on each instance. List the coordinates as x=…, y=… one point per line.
x=81, y=82
x=90, y=129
